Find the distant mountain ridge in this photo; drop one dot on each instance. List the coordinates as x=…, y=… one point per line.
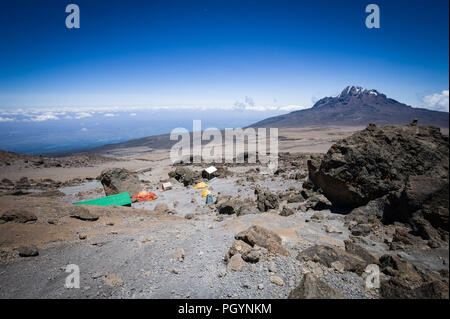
x=356, y=106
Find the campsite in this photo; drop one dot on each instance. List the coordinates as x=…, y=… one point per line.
x=236, y=232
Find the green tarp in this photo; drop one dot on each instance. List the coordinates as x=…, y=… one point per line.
x=122, y=199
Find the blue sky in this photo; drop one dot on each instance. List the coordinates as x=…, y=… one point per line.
x=139, y=68
x=216, y=53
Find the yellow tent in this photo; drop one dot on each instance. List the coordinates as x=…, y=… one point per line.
x=200, y=185
x=206, y=192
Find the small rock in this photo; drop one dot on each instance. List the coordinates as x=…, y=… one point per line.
x=161, y=208
x=174, y=271
x=219, y=219
x=179, y=255
x=287, y=211
x=338, y=266
x=82, y=213
x=236, y=263
x=252, y=256
x=271, y=267
x=260, y=286
x=262, y=237
x=146, y=240
x=112, y=280
x=317, y=216
x=238, y=246
x=331, y=229
x=82, y=236
x=222, y=273
x=276, y=280
x=28, y=251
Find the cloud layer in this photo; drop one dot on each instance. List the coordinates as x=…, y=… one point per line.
x=78, y=113
x=437, y=101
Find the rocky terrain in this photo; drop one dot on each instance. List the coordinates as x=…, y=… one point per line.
x=85, y=160
x=313, y=229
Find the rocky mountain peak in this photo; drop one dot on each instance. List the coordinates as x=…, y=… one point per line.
x=355, y=96
x=356, y=105
x=352, y=90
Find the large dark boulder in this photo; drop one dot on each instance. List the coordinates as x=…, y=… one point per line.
x=425, y=195
x=185, y=175
x=377, y=161
x=120, y=180
x=405, y=168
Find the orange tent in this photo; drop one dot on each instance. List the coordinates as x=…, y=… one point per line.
x=144, y=196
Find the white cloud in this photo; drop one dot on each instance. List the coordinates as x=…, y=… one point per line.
x=84, y=129
x=290, y=108
x=6, y=119
x=437, y=101
x=249, y=105
x=44, y=117
x=82, y=115
x=77, y=113
x=260, y=108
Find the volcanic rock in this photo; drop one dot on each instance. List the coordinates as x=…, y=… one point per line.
x=260, y=236
x=266, y=200
x=28, y=251
x=287, y=211
x=235, y=263
x=185, y=175
x=119, y=180
x=17, y=216
x=311, y=287
x=238, y=247
x=378, y=161
x=328, y=255
x=82, y=213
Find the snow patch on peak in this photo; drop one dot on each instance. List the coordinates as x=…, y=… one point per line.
x=356, y=90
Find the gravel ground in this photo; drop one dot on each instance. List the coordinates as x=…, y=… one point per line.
x=141, y=264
